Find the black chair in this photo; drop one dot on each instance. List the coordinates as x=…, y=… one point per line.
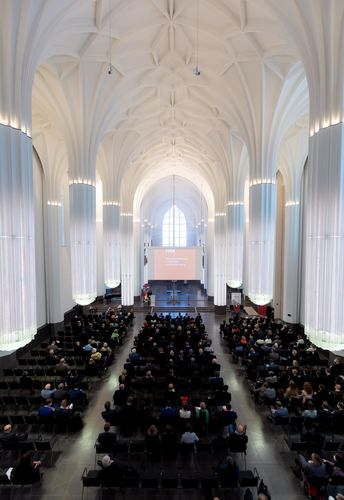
x=89, y=479
x=150, y=479
x=33, y=422
x=298, y=446
x=203, y=447
x=187, y=448
x=331, y=446
x=137, y=447
x=45, y=447
x=25, y=446
x=121, y=449
x=4, y=420
x=295, y=423
x=209, y=482
x=190, y=480
x=169, y=480
x=18, y=420
x=248, y=478
x=219, y=446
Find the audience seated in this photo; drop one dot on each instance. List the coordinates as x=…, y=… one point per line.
x=26, y=471
x=107, y=439
x=189, y=437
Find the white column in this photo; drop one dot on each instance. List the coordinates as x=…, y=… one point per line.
x=17, y=243
x=209, y=258
x=100, y=239
x=83, y=242
x=291, y=297
x=220, y=260
x=235, y=244
x=112, y=255
x=127, y=259
x=261, y=242
x=53, y=256
x=324, y=311
x=138, y=251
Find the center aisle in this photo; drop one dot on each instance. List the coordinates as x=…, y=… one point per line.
x=265, y=447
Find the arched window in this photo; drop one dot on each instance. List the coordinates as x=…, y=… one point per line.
x=174, y=228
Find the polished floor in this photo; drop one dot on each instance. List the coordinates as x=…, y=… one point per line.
x=266, y=449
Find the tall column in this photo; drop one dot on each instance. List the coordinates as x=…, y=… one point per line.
x=138, y=250
x=112, y=258
x=324, y=287
x=17, y=242
x=290, y=311
x=293, y=155
x=261, y=245
x=53, y=256
x=82, y=197
x=127, y=259
x=220, y=295
x=235, y=243
x=209, y=258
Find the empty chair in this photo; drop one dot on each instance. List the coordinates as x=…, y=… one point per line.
x=189, y=480
x=89, y=479
x=203, y=447
x=219, y=446
x=331, y=446
x=248, y=478
x=4, y=420
x=169, y=480
x=23, y=401
x=137, y=447
x=298, y=446
x=9, y=402
x=25, y=446
x=150, y=479
x=18, y=420
x=121, y=449
x=46, y=447
x=3, y=385
x=209, y=481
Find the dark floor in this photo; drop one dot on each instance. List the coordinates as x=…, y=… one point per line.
x=266, y=449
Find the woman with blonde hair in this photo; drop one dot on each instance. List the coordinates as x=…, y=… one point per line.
x=307, y=392
x=292, y=392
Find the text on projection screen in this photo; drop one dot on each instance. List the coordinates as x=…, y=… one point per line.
x=174, y=263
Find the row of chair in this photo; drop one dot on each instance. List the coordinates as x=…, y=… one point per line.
x=171, y=480
x=317, y=446
x=21, y=447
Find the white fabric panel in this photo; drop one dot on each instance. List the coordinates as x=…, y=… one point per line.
x=235, y=245
x=18, y=322
x=324, y=290
x=261, y=243
x=83, y=242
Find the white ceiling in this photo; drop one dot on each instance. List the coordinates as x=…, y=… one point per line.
x=152, y=116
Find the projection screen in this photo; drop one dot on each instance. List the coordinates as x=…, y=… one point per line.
x=165, y=263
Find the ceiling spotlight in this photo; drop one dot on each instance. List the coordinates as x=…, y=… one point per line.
x=196, y=71
x=111, y=69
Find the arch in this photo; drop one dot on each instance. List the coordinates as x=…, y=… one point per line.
x=174, y=228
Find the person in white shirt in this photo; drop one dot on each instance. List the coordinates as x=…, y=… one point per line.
x=189, y=437
x=184, y=412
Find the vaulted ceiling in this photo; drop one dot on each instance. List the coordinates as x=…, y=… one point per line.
x=152, y=116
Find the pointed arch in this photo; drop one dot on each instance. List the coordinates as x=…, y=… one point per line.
x=174, y=228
